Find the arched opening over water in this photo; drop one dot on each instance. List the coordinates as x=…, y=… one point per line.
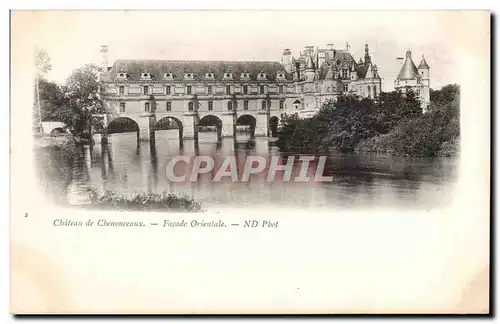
x=245, y=124
x=57, y=131
x=123, y=125
x=273, y=126
x=210, y=124
x=169, y=124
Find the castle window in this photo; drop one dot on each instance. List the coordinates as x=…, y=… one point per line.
x=228, y=89
x=264, y=105
x=167, y=90
x=146, y=90
x=374, y=90
x=190, y=106
x=282, y=104
x=227, y=75
x=229, y=105
x=280, y=89
x=122, y=107
x=169, y=106
x=210, y=105
x=369, y=91
x=418, y=92
x=261, y=89
x=344, y=73
x=122, y=75
x=210, y=89
x=245, y=89
x=189, y=89
x=146, y=107
x=245, y=105
x=346, y=87
x=121, y=90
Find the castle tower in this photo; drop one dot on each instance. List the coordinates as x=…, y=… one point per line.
x=423, y=70
x=309, y=71
x=104, y=57
x=286, y=60
x=368, y=59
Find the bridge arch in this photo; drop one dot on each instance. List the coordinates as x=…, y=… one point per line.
x=208, y=123
x=170, y=122
x=57, y=131
x=123, y=125
x=249, y=121
x=273, y=126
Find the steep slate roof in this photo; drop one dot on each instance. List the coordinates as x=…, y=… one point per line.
x=423, y=64
x=157, y=68
x=409, y=71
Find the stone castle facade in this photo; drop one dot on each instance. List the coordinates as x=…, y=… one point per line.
x=135, y=88
x=258, y=93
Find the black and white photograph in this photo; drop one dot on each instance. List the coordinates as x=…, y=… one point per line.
x=322, y=128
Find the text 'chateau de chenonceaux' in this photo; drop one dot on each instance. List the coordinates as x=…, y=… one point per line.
x=150, y=93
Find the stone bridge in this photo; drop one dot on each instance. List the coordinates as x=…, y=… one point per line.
x=260, y=123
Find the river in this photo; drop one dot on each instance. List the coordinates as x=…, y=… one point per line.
x=359, y=180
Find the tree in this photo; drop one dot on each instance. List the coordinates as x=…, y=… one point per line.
x=82, y=94
x=42, y=67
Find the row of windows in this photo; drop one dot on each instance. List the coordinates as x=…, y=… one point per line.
x=264, y=105
x=189, y=89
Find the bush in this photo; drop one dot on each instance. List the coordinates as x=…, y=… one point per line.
x=143, y=202
x=393, y=124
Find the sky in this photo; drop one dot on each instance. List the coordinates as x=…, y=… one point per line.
x=73, y=38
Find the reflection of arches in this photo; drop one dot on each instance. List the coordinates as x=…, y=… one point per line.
x=207, y=124
x=166, y=123
x=273, y=126
x=247, y=120
x=57, y=131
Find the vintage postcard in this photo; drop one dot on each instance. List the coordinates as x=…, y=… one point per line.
x=250, y=162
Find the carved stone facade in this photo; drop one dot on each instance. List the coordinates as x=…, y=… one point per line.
x=228, y=90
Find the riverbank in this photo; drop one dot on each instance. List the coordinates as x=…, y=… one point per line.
x=393, y=124
x=59, y=141
x=163, y=201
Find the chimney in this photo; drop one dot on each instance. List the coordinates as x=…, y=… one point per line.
x=104, y=57
x=400, y=64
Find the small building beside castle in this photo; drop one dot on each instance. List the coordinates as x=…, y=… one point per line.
x=416, y=79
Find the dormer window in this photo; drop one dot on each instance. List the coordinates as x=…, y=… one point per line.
x=228, y=76
x=245, y=76
x=209, y=76
x=280, y=76
x=261, y=76
x=168, y=76
x=146, y=76
x=188, y=76
x=121, y=75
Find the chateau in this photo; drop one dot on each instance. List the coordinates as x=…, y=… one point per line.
x=416, y=79
x=256, y=93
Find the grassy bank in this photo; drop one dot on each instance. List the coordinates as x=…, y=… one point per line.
x=143, y=202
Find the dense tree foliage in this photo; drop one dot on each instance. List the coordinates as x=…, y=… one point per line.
x=73, y=103
x=393, y=123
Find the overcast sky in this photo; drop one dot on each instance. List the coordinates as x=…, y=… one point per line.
x=74, y=38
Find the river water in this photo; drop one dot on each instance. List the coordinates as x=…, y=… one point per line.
x=358, y=180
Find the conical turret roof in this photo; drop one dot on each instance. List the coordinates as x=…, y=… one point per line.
x=309, y=63
x=409, y=71
x=423, y=64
